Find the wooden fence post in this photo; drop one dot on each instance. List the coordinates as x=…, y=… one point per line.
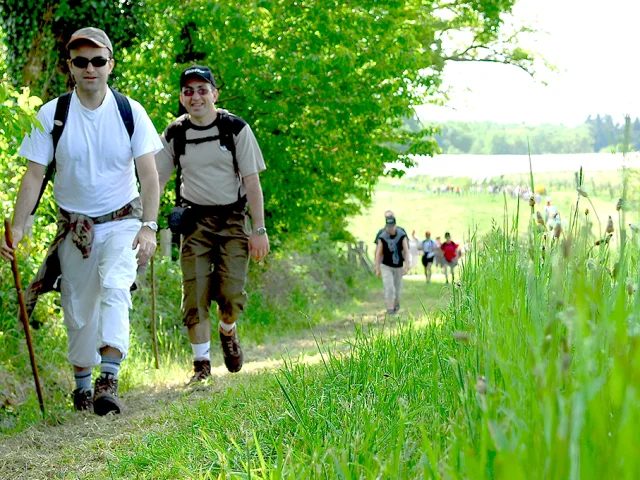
x=165, y=242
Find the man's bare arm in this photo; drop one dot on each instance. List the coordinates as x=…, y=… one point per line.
x=258, y=244
x=150, y=195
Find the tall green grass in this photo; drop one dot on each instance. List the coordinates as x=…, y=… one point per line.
x=532, y=372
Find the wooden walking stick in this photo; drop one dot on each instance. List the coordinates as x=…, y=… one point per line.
x=23, y=313
x=153, y=315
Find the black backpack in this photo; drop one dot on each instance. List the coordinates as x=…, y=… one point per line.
x=228, y=125
x=59, y=121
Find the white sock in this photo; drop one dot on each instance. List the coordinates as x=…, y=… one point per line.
x=201, y=351
x=227, y=327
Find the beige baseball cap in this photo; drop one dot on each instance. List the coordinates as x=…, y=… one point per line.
x=92, y=35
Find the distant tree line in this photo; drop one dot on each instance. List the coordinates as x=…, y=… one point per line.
x=596, y=134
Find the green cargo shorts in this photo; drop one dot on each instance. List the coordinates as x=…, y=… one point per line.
x=214, y=259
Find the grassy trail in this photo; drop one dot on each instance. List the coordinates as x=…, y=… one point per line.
x=82, y=446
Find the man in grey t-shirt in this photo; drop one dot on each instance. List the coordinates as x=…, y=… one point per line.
x=220, y=161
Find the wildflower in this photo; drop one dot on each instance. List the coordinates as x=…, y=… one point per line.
x=582, y=192
x=557, y=230
x=586, y=211
x=539, y=218
x=532, y=202
x=461, y=337
x=619, y=205
x=481, y=385
x=610, y=228
x=630, y=289
x=566, y=362
x=566, y=247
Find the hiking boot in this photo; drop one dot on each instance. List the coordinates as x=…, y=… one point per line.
x=105, y=398
x=231, y=351
x=83, y=399
x=201, y=371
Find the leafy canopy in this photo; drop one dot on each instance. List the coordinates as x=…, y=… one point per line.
x=325, y=85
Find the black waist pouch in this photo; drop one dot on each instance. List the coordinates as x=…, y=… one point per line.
x=181, y=220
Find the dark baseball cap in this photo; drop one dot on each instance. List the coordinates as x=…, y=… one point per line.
x=92, y=35
x=391, y=220
x=199, y=72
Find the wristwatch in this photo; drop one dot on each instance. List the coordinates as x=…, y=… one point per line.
x=152, y=225
x=261, y=231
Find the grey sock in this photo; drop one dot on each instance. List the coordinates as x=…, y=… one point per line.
x=83, y=378
x=110, y=365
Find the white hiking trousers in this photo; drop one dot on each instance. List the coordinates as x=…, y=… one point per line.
x=392, y=283
x=95, y=291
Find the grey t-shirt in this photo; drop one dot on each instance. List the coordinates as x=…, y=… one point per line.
x=208, y=175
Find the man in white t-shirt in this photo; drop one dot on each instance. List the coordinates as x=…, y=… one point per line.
x=105, y=227
x=220, y=163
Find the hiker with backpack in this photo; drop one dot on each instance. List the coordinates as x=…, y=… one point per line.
x=218, y=162
x=106, y=228
x=391, y=251
x=429, y=249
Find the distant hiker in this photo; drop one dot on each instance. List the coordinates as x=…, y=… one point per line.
x=218, y=163
x=439, y=255
x=451, y=254
x=429, y=248
x=414, y=251
x=391, y=250
x=105, y=227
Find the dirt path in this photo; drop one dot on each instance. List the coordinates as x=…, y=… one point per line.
x=80, y=447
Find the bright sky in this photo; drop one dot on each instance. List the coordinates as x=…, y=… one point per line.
x=593, y=44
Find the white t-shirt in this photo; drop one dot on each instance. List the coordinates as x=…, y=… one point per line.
x=95, y=171
x=429, y=247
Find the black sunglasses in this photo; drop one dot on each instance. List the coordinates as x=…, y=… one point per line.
x=82, y=62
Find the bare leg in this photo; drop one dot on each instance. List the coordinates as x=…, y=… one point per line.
x=199, y=333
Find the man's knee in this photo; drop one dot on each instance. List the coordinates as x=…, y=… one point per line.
x=231, y=302
x=116, y=297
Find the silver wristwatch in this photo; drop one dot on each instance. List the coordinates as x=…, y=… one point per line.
x=152, y=225
x=261, y=231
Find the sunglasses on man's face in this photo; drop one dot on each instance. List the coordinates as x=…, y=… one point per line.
x=189, y=92
x=82, y=62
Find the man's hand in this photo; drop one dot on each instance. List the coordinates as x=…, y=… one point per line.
x=376, y=269
x=146, y=240
x=258, y=246
x=405, y=269
x=6, y=251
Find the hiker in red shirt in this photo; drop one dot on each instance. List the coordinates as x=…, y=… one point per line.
x=451, y=253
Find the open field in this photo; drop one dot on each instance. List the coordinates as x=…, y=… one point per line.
x=415, y=209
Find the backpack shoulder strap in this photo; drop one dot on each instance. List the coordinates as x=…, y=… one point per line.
x=177, y=131
x=59, y=121
x=124, y=107
x=229, y=126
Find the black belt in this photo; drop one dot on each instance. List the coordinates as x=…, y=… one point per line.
x=216, y=210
